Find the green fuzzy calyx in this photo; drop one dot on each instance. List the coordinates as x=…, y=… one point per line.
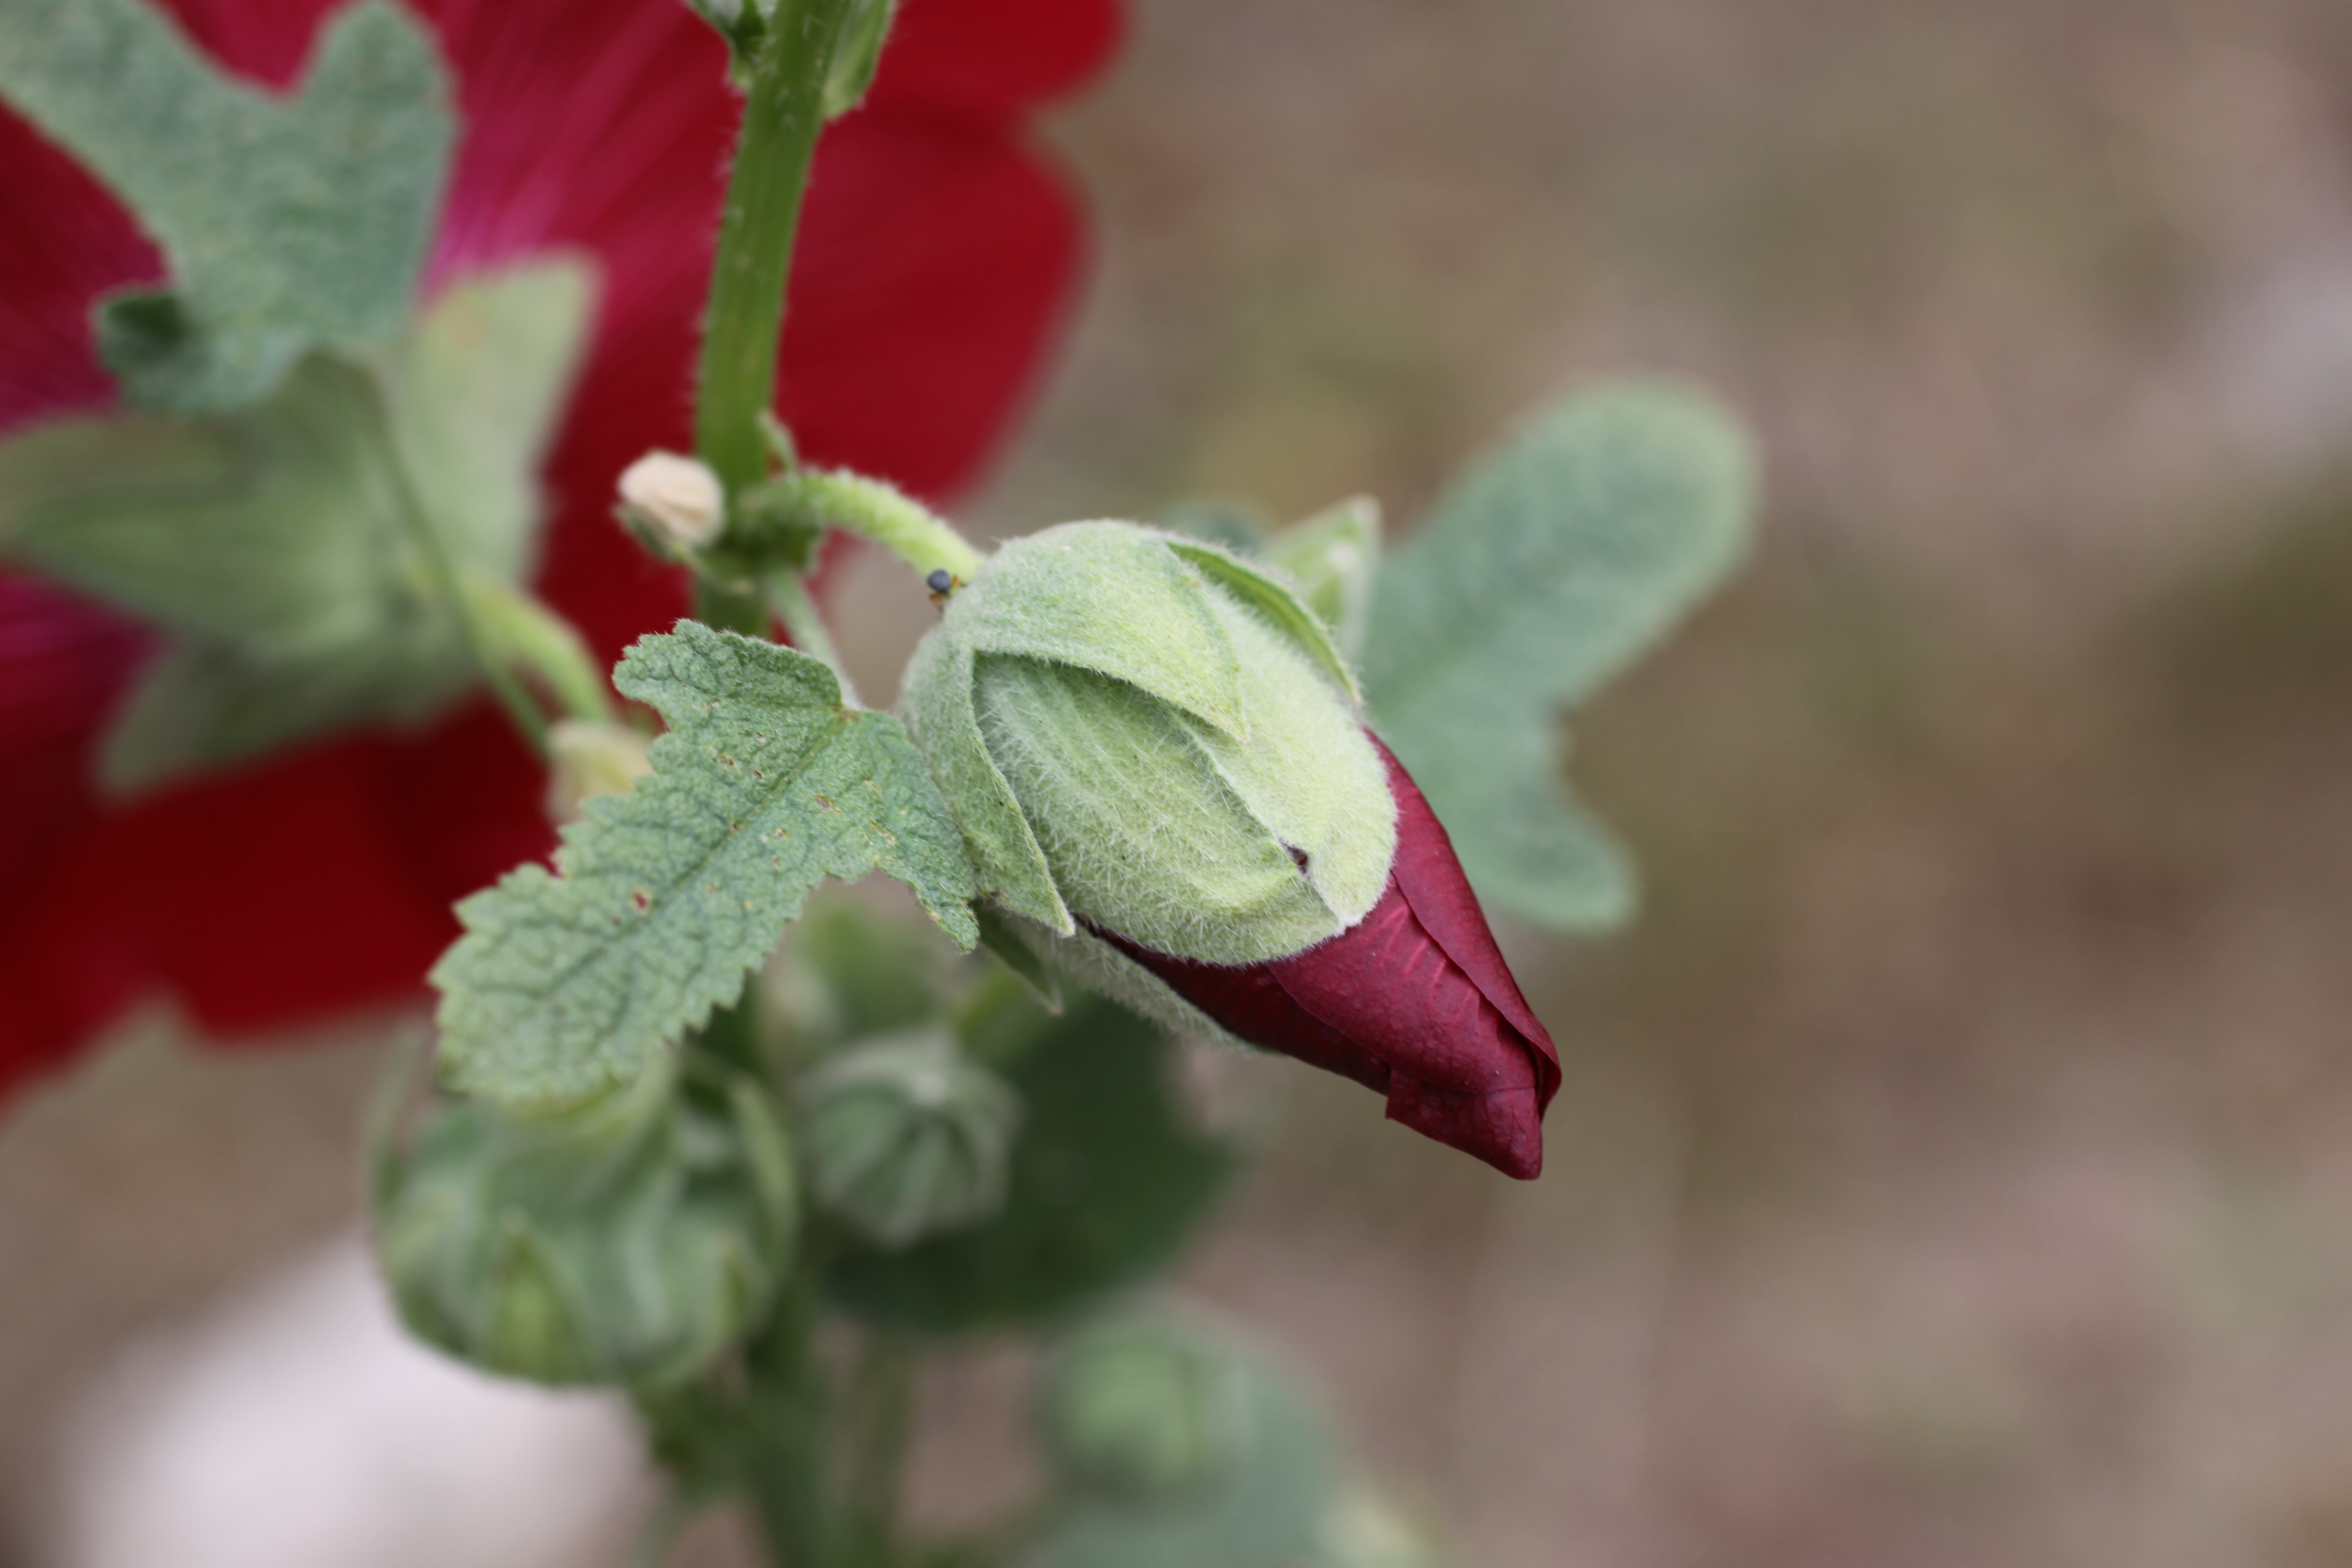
x=1156, y=737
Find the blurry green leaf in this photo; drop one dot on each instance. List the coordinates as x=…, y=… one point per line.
x=1548, y=569
x=1226, y=524
x=200, y=706
x=1267, y=1506
x=664, y=899
x=270, y=545
x=1334, y=557
x=290, y=224
x=1109, y=1178
x=851, y=971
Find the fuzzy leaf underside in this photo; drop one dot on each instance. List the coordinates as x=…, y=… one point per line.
x=1548, y=569
x=270, y=545
x=664, y=899
x=290, y=224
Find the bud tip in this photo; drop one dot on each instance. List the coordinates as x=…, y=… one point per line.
x=678, y=498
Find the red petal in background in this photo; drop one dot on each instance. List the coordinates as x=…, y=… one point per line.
x=941, y=259
x=995, y=59
x=936, y=255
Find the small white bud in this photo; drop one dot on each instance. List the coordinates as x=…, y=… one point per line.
x=586, y=759
x=677, y=497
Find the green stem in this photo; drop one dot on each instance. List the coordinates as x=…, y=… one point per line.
x=882, y=512
x=881, y=1400
x=788, y=1439
x=525, y=632
x=443, y=570
x=790, y=600
x=782, y=113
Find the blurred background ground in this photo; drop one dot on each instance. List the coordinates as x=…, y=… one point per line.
x=1954, y=1166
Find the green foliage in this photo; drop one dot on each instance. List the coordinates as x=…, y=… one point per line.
x=1261, y=1495
x=274, y=547
x=1107, y=1178
x=631, y=1241
x=1549, y=567
x=1335, y=559
x=664, y=899
x=1134, y=1407
x=290, y=224
x=852, y=970
x=1228, y=525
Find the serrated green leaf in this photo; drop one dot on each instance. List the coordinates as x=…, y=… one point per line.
x=664, y=899
x=1549, y=567
x=290, y=224
x=270, y=545
x=1108, y=1179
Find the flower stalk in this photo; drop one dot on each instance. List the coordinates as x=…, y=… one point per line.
x=784, y=113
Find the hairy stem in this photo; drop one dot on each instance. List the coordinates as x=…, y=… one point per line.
x=782, y=113
x=528, y=634
x=792, y=604
x=879, y=511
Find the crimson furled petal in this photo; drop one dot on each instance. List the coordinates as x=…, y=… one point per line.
x=1414, y=1001
x=936, y=253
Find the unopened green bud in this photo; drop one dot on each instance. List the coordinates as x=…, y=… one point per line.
x=909, y=1138
x=1139, y=1408
x=631, y=1241
x=587, y=758
x=1145, y=732
x=675, y=502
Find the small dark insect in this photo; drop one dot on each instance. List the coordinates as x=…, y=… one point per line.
x=942, y=583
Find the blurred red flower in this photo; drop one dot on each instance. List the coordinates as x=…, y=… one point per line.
x=1414, y=1000
x=935, y=255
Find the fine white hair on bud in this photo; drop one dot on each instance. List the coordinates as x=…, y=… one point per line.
x=1145, y=733
x=678, y=497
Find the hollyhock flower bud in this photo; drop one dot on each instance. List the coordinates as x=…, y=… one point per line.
x=1135, y=1408
x=1415, y=1002
x=1145, y=733
x=631, y=1241
x=675, y=501
x=908, y=1139
x=1157, y=760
